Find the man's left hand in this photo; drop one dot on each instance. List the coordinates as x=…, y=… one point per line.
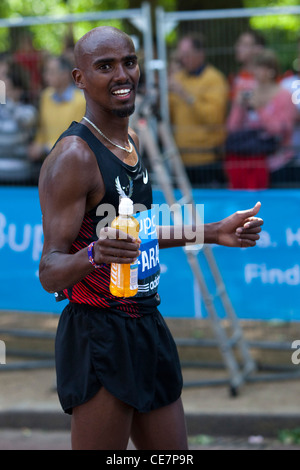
x=240, y=229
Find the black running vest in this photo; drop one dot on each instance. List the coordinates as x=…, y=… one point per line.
x=119, y=179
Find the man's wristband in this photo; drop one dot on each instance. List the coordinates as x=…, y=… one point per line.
x=91, y=256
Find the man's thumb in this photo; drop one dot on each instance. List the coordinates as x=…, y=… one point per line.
x=251, y=212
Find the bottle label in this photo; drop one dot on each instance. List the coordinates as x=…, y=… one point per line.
x=134, y=269
x=115, y=274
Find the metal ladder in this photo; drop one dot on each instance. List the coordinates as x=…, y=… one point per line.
x=161, y=150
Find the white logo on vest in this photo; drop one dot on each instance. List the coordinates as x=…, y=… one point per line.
x=124, y=191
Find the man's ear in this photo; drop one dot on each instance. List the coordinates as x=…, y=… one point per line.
x=78, y=78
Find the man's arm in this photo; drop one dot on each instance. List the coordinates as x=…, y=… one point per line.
x=240, y=229
x=70, y=184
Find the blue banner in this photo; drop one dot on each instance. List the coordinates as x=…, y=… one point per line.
x=262, y=282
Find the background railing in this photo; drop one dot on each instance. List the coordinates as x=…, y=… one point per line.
x=38, y=37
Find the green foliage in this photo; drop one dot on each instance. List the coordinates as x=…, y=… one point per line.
x=52, y=37
x=201, y=439
x=284, y=22
x=281, y=31
x=289, y=436
x=270, y=3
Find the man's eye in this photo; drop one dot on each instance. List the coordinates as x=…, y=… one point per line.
x=131, y=63
x=104, y=67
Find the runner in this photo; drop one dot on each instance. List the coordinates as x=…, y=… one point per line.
x=118, y=371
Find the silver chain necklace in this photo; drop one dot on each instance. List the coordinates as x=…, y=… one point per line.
x=103, y=135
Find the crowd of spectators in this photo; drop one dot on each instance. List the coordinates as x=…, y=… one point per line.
x=40, y=101
x=241, y=131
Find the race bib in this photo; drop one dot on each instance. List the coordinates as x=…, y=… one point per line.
x=148, y=261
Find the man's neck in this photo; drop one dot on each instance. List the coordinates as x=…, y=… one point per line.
x=112, y=126
x=198, y=70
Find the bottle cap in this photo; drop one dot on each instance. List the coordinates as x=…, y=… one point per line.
x=126, y=206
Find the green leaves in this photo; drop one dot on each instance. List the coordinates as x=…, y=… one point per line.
x=289, y=436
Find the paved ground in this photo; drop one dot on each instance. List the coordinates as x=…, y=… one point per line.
x=27, y=439
x=31, y=418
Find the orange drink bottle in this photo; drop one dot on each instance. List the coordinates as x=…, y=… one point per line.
x=124, y=277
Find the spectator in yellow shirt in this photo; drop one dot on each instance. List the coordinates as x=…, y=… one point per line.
x=60, y=104
x=198, y=100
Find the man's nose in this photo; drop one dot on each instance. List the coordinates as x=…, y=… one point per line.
x=121, y=73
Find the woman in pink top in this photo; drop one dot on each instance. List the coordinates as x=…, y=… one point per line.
x=270, y=108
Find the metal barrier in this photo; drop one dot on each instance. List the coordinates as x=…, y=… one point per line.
x=221, y=28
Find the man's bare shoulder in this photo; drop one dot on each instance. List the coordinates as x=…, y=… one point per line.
x=70, y=156
x=70, y=170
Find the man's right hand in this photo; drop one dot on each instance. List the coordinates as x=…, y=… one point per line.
x=115, y=246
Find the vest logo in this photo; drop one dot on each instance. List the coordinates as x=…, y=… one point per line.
x=145, y=177
x=124, y=191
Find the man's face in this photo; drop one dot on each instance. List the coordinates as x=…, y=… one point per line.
x=111, y=74
x=190, y=57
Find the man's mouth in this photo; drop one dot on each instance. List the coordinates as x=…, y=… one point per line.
x=122, y=92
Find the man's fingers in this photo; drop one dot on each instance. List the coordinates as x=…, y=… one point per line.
x=111, y=243
x=253, y=222
x=247, y=243
x=115, y=246
x=119, y=251
x=116, y=234
x=241, y=230
x=254, y=227
x=249, y=236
